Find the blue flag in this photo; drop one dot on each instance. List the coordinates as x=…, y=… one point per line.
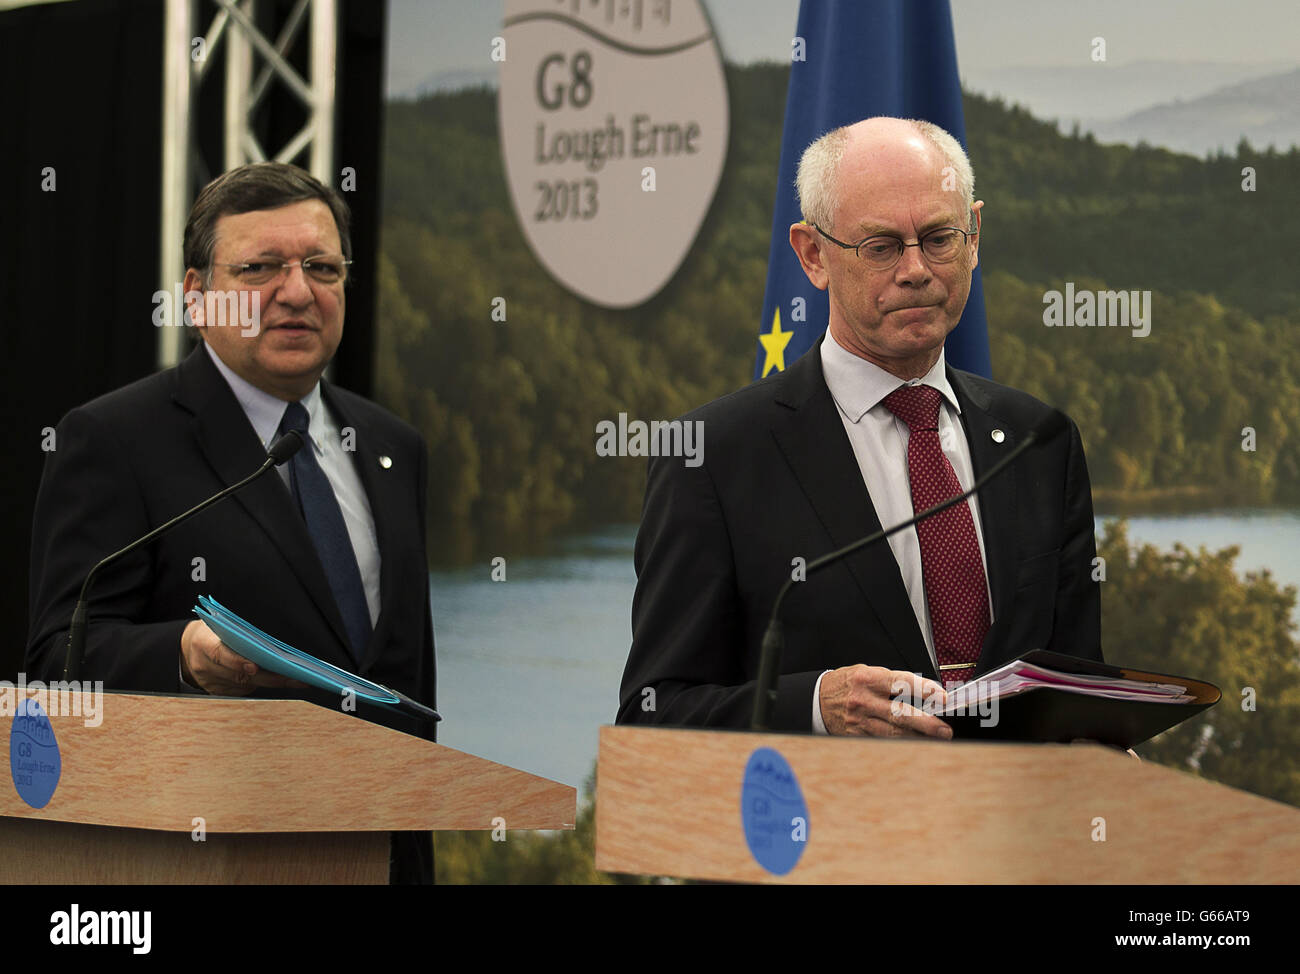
x=860, y=58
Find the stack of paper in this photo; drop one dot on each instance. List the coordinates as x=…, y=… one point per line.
x=1050, y=697
x=1018, y=676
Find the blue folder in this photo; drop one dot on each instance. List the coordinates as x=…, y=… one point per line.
x=278, y=657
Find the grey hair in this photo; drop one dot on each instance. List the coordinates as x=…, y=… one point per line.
x=257, y=186
x=816, y=182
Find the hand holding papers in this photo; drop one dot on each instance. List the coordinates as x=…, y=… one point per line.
x=278, y=657
x=1050, y=697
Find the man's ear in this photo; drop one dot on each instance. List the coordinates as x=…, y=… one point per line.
x=806, y=246
x=975, y=210
x=194, y=286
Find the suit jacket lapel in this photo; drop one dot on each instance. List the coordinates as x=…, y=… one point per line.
x=810, y=433
x=997, y=505
x=384, y=493
x=232, y=448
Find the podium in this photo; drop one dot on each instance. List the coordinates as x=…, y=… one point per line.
x=703, y=804
x=199, y=789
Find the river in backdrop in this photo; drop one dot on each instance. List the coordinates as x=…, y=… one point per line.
x=529, y=667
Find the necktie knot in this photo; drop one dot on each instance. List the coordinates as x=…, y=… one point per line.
x=917, y=406
x=295, y=418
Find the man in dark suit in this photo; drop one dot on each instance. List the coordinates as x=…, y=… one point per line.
x=328, y=555
x=859, y=433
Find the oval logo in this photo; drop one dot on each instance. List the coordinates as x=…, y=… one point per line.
x=34, y=761
x=613, y=121
x=773, y=812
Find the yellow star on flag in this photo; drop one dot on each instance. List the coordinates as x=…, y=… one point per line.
x=774, y=343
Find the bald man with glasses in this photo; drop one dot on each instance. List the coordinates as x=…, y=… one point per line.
x=868, y=428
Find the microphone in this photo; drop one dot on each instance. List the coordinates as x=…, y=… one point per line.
x=280, y=452
x=774, y=636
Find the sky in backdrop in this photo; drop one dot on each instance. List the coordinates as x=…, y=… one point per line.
x=1218, y=42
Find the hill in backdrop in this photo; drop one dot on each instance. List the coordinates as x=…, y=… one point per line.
x=510, y=408
x=1263, y=111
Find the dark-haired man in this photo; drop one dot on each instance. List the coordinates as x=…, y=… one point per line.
x=328, y=557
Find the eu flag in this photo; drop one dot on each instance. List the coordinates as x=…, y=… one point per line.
x=858, y=59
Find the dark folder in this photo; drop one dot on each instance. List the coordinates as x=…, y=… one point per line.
x=1053, y=715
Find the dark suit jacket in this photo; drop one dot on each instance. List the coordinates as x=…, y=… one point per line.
x=779, y=481
x=133, y=459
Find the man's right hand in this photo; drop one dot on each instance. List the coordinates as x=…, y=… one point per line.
x=860, y=699
x=209, y=663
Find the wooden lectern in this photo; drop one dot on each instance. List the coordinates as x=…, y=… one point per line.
x=197, y=789
x=668, y=803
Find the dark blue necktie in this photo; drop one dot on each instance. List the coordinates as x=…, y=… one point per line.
x=320, y=509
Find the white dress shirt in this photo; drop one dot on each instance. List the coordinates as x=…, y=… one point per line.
x=879, y=440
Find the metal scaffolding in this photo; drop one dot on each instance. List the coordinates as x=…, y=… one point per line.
x=188, y=57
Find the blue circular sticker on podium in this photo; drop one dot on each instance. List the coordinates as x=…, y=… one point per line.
x=34, y=761
x=773, y=812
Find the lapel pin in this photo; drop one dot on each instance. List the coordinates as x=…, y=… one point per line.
x=385, y=462
x=998, y=436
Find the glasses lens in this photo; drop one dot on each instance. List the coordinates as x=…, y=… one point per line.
x=323, y=269
x=943, y=244
x=256, y=273
x=880, y=251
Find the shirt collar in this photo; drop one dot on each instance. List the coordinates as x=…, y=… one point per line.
x=858, y=386
x=264, y=411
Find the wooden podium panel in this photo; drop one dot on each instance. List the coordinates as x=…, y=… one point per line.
x=69, y=853
x=203, y=789
x=914, y=811
x=245, y=765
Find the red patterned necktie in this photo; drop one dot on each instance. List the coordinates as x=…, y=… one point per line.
x=955, y=588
